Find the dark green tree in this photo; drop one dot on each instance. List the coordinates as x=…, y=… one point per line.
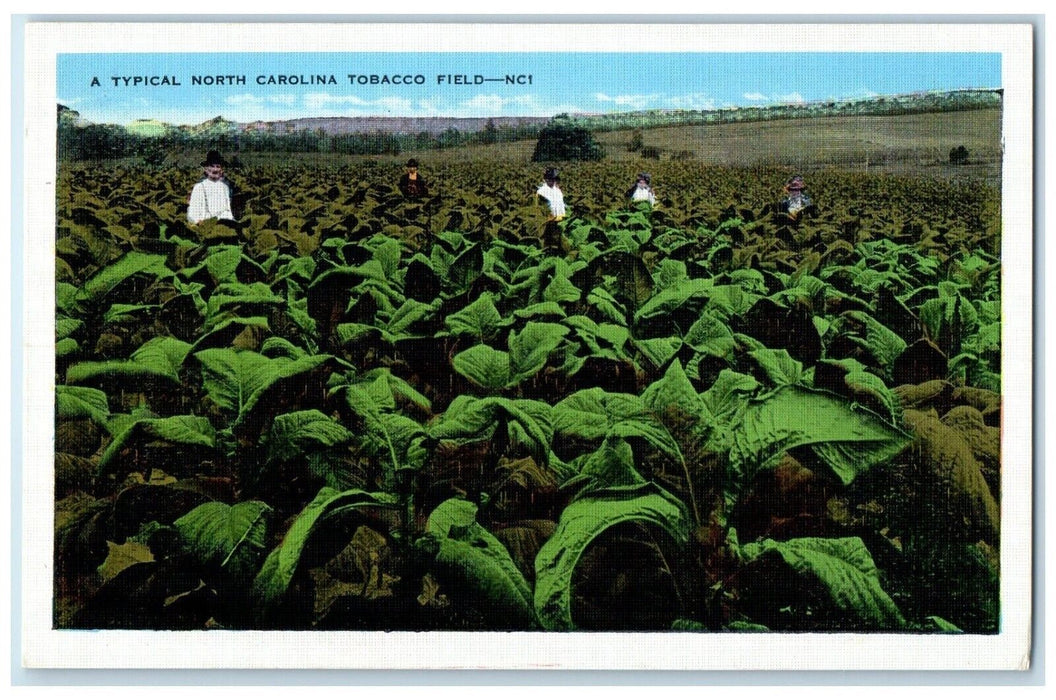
x=560, y=140
x=635, y=143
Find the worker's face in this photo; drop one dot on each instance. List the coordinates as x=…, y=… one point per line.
x=412, y=169
x=642, y=184
x=214, y=172
x=551, y=182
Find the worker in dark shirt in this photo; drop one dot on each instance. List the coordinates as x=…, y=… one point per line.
x=412, y=184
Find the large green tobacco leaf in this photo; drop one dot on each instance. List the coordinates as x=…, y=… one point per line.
x=581, y=523
x=158, y=357
x=388, y=256
x=780, y=367
x=727, y=301
x=543, y=308
x=659, y=351
x=388, y=392
x=674, y=391
x=231, y=538
x=609, y=466
x=66, y=299
x=221, y=263
x=479, y=319
x=81, y=402
x=561, y=290
x=483, y=365
x=530, y=348
x=66, y=346
x=403, y=321
x=462, y=271
x=236, y=379
x=126, y=313
x=884, y=344
x=593, y=414
x=711, y=336
x=275, y=575
x=480, y=565
x=849, y=440
x=179, y=430
x=389, y=432
x=294, y=434
x=668, y=300
x=629, y=278
x=132, y=263
x=527, y=423
x=237, y=295
x=608, y=306
x=842, y=568
x=221, y=332
x=65, y=327
x=851, y=378
x=496, y=369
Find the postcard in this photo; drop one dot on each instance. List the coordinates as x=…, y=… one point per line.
x=527, y=346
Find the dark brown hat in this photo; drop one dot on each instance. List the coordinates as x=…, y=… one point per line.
x=214, y=158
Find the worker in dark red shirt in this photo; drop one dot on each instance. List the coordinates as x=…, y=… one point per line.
x=412, y=184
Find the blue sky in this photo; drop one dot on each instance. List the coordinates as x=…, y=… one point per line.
x=252, y=87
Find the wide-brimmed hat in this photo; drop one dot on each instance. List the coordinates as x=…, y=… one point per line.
x=550, y=174
x=795, y=184
x=412, y=163
x=214, y=158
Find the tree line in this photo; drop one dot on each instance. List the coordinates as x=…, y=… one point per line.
x=108, y=141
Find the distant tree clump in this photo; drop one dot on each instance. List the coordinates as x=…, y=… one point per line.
x=959, y=155
x=562, y=141
x=636, y=141
x=651, y=152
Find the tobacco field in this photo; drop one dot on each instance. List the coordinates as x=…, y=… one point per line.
x=355, y=412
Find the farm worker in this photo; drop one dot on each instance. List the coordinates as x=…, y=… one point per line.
x=642, y=190
x=796, y=200
x=550, y=191
x=412, y=184
x=211, y=197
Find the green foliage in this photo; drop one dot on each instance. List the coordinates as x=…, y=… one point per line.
x=190, y=431
x=560, y=141
x=500, y=417
x=229, y=538
x=81, y=402
x=160, y=357
x=477, y=564
x=581, y=523
x=280, y=567
x=235, y=380
x=842, y=571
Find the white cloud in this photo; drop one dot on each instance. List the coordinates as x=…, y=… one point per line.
x=324, y=100
x=790, y=98
x=755, y=97
x=632, y=101
x=243, y=100
x=399, y=105
x=693, y=100
x=489, y=104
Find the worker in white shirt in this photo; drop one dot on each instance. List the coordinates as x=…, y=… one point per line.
x=211, y=197
x=642, y=190
x=550, y=191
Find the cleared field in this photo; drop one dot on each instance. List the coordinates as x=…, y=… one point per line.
x=911, y=145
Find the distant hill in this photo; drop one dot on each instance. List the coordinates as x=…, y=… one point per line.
x=915, y=103
x=333, y=126
x=148, y=127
